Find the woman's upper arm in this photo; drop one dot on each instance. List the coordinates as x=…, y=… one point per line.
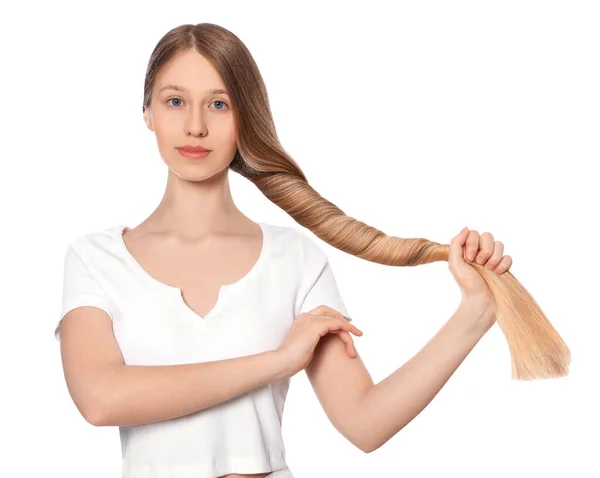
x=88, y=349
x=87, y=342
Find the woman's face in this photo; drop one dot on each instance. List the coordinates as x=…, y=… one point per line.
x=192, y=115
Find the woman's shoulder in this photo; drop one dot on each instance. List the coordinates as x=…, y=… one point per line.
x=95, y=241
x=294, y=237
x=302, y=243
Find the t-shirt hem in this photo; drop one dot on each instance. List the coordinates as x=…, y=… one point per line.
x=207, y=469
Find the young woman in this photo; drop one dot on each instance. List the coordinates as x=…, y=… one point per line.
x=185, y=330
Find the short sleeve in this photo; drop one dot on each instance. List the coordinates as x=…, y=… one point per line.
x=79, y=288
x=319, y=286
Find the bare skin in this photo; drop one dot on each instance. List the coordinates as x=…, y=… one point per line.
x=196, y=239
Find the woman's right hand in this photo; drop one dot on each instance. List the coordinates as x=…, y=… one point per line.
x=307, y=329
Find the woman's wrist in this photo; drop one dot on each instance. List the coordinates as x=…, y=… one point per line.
x=477, y=313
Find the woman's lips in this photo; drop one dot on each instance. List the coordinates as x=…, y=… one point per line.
x=192, y=154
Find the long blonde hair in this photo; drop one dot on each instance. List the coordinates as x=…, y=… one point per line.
x=536, y=349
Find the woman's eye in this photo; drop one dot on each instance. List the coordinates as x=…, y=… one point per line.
x=216, y=101
x=220, y=101
x=178, y=99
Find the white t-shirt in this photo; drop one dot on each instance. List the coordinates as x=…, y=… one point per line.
x=154, y=326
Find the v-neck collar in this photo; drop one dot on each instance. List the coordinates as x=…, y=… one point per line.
x=175, y=293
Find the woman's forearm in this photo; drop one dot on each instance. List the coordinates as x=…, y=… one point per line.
x=392, y=403
x=136, y=395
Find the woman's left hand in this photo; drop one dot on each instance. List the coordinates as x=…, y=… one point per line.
x=469, y=246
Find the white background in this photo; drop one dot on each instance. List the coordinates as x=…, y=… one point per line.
x=417, y=118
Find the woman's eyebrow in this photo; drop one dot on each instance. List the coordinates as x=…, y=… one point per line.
x=212, y=91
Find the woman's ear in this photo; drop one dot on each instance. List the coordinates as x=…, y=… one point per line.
x=148, y=119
